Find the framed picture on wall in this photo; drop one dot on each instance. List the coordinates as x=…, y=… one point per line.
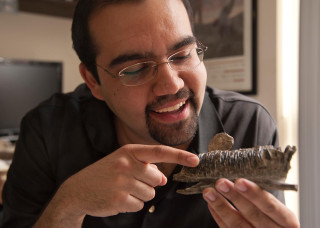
x=228, y=28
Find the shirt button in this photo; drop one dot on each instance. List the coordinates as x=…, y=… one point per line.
x=152, y=209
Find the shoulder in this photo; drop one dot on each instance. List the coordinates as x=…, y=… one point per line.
x=228, y=101
x=60, y=102
x=59, y=110
x=225, y=99
x=70, y=114
x=76, y=98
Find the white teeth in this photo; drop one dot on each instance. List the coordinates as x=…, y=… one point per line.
x=172, y=108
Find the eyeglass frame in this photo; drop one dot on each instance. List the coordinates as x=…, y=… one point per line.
x=201, y=45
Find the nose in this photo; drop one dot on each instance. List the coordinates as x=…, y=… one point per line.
x=167, y=81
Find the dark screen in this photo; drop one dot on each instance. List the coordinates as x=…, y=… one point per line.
x=23, y=85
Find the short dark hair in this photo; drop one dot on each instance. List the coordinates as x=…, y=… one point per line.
x=83, y=43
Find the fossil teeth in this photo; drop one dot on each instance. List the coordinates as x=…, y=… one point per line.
x=172, y=108
x=265, y=165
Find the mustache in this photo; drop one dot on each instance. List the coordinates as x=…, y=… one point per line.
x=159, y=101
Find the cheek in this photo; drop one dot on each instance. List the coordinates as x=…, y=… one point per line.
x=197, y=78
x=202, y=77
x=196, y=81
x=126, y=103
x=111, y=95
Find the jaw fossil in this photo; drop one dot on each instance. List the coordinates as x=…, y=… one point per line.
x=267, y=166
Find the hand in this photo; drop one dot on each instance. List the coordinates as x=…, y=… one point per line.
x=255, y=207
x=122, y=181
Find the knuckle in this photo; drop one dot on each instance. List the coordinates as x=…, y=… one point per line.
x=157, y=178
x=138, y=206
x=120, y=181
x=219, y=207
x=120, y=197
x=159, y=152
x=119, y=201
x=127, y=147
x=180, y=156
x=153, y=166
x=148, y=195
x=271, y=206
x=253, y=213
x=152, y=194
x=123, y=164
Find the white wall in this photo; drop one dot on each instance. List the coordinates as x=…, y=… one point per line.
x=37, y=37
x=287, y=87
x=267, y=55
x=270, y=78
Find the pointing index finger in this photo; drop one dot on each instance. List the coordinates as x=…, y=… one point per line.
x=160, y=153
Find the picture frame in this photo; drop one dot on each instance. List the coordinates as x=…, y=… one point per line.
x=228, y=28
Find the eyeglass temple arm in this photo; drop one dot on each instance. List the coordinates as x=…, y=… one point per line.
x=108, y=72
x=202, y=45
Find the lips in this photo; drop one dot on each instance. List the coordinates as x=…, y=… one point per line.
x=171, y=108
x=171, y=114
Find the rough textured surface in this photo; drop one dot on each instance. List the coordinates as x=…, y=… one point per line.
x=221, y=141
x=265, y=165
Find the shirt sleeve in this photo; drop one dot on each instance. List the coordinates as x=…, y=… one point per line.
x=30, y=183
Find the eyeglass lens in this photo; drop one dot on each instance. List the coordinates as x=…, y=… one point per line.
x=140, y=73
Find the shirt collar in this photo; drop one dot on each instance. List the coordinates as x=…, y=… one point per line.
x=209, y=125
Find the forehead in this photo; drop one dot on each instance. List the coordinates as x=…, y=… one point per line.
x=149, y=25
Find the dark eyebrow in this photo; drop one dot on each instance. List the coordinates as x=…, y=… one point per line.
x=136, y=56
x=186, y=41
x=125, y=58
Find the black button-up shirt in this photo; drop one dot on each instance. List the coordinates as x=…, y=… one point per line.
x=71, y=131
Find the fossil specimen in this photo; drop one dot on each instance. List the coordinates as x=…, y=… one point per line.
x=267, y=166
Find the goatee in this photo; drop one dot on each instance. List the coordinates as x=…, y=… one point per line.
x=174, y=134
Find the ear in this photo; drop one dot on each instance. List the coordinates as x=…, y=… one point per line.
x=90, y=81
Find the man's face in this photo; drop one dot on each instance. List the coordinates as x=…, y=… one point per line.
x=165, y=109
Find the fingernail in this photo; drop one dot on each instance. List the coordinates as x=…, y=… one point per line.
x=223, y=187
x=193, y=160
x=210, y=196
x=241, y=186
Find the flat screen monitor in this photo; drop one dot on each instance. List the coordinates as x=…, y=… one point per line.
x=23, y=85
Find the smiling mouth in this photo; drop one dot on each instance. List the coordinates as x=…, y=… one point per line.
x=172, y=108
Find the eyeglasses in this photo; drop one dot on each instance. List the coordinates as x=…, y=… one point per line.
x=141, y=73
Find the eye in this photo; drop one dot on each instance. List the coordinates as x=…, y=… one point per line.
x=182, y=55
x=136, y=69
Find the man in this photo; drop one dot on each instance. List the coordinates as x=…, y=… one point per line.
x=104, y=156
